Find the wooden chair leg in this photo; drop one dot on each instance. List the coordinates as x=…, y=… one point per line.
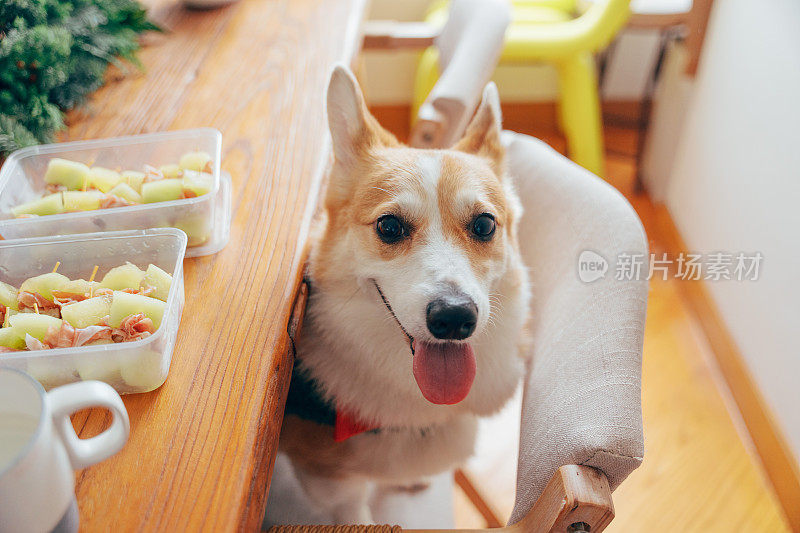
x=476, y=498
x=577, y=499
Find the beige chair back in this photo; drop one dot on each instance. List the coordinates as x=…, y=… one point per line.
x=469, y=47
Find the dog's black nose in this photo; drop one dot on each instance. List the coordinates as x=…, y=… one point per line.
x=452, y=318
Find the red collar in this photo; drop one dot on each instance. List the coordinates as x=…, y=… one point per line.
x=305, y=401
x=347, y=426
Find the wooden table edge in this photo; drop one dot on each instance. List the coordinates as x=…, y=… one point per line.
x=254, y=506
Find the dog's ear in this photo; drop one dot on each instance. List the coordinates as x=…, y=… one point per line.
x=353, y=129
x=483, y=132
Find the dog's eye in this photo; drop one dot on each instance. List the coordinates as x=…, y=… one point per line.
x=483, y=227
x=390, y=229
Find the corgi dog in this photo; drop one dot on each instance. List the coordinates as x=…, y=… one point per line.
x=417, y=306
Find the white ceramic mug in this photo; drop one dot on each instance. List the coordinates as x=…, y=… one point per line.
x=39, y=449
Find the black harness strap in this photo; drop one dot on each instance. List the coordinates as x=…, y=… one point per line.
x=305, y=401
x=389, y=307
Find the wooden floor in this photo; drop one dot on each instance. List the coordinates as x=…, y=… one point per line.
x=700, y=472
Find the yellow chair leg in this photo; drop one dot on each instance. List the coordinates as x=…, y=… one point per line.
x=426, y=77
x=580, y=111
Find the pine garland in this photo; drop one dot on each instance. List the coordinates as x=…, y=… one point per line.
x=53, y=54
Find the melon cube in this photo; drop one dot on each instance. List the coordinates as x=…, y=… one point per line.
x=8, y=296
x=44, y=284
x=99, y=366
x=127, y=276
x=146, y=371
x=195, y=161
x=34, y=324
x=71, y=174
x=51, y=204
x=51, y=373
x=125, y=304
x=162, y=191
x=133, y=179
x=90, y=312
x=126, y=192
x=79, y=286
x=197, y=229
x=159, y=280
x=199, y=183
x=171, y=171
x=9, y=338
x=82, y=201
x=104, y=179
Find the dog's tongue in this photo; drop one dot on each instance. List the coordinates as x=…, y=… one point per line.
x=444, y=371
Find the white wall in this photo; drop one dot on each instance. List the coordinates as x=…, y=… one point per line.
x=735, y=185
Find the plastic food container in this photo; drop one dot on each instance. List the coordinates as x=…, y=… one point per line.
x=205, y=219
x=129, y=367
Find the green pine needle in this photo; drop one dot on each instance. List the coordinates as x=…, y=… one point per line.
x=53, y=54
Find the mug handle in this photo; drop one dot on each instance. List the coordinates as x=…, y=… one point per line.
x=68, y=399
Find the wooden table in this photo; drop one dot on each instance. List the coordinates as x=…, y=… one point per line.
x=202, y=447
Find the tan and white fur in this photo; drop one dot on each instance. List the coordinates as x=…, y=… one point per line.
x=352, y=345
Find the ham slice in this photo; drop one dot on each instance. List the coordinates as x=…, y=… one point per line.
x=27, y=300
x=65, y=298
x=147, y=290
x=53, y=188
x=112, y=200
x=152, y=174
x=70, y=337
x=62, y=298
x=133, y=328
x=144, y=291
x=33, y=344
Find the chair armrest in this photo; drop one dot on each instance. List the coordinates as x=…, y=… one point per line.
x=582, y=398
x=469, y=47
x=576, y=500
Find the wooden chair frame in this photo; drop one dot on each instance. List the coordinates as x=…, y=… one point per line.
x=577, y=499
